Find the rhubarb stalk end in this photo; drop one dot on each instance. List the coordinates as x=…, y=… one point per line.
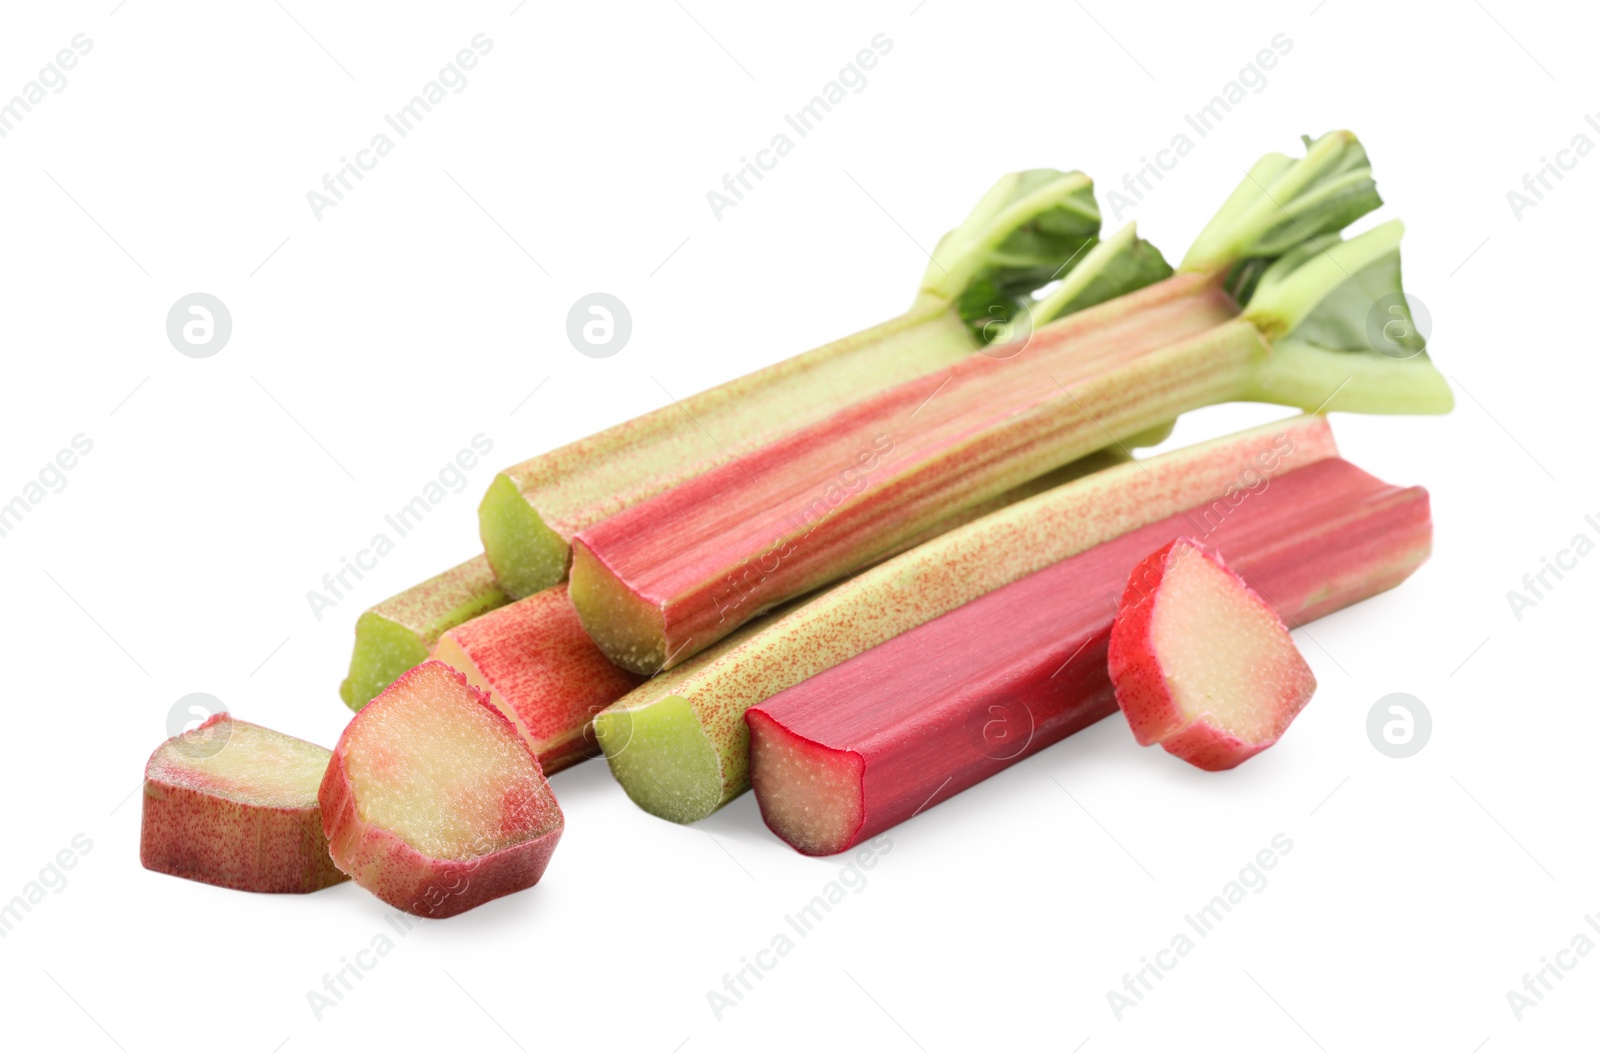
x=526, y=554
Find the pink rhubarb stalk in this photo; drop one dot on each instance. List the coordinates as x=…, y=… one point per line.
x=1029, y=230
x=848, y=753
x=678, y=744
x=662, y=580
x=674, y=574
x=542, y=671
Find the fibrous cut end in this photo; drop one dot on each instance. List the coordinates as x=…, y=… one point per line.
x=628, y=628
x=234, y=804
x=433, y=801
x=395, y=635
x=660, y=754
x=384, y=649
x=1200, y=663
x=527, y=555
x=810, y=794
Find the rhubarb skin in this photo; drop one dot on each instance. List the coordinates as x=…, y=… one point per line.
x=679, y=745
x=433, y=802
x=234, y=804
x=663, y=580
x=1200, y=663
x=538, y=667
x=396, y=634
x=532, y=510
x=868, y=744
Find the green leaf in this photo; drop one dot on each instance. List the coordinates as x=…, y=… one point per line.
x=1121, y=264
x=1342, y=334
x=1282, y=203
x=1021, y=235
x=1344, y=319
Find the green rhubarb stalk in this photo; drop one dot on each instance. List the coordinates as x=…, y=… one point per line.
x=1029, y=230
x=679, y=745
x=398, y=633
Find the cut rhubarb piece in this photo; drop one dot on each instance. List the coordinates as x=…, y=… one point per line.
x=234, y=804
x=678, y=743
x=669, y=576
x=433, y=802
x=397, y=633
x=874, y=741
x=537, y=665
x=1200, y=663
x=1029, y=230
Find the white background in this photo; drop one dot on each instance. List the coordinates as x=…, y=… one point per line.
x=373, y=343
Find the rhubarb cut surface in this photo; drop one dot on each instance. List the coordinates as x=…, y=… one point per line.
x=1200, y=663
x=1025, y=232
x=234, y=804
x=1025, y=665
x=538, y=667
x=396, y=634
x=432, y=800
x=808, y=792
x=678, y=744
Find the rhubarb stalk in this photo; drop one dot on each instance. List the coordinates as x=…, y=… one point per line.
x=1027, y=231
x=659, y=582
x=892, y=732
x=678, y=744
x=541, y=670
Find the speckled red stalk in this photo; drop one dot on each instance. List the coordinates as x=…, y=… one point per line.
x=1197, y=657
x=383, y=863
x=216, y=830
x=661, y=581
x=941, y=707
x=540, y=669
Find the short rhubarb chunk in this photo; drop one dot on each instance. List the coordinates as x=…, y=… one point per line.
x=235, y=804
x=1200, y=663
x=433, y=802
x=396, y=634
x=537, y=665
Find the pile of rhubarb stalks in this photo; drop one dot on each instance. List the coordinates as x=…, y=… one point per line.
x=869, y=576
